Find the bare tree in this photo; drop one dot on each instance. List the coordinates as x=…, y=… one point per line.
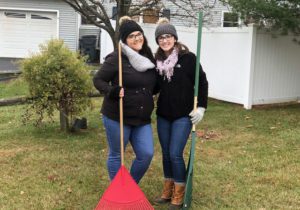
x=95, y=12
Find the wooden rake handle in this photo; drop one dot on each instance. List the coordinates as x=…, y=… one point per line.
x=121, y=106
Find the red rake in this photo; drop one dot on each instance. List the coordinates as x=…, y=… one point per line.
x=123, y=193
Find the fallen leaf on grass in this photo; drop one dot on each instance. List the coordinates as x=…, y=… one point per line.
x=52, y=178
x=200, y=134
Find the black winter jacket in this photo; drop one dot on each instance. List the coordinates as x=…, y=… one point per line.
x=176, y=97
x=138, y=90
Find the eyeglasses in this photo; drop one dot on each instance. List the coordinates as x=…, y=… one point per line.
x=135, y=36
x=166, y=37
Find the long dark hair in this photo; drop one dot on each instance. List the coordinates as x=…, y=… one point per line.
x=160, y=54
x=146, y=51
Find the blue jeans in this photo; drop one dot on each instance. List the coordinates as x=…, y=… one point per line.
x=141, y=140
x=173, y=136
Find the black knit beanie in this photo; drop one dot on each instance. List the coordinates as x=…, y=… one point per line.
x=164, y=27
x=127, y=26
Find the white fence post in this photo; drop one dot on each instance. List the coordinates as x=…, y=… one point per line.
x=106, y=45
x=248, y=102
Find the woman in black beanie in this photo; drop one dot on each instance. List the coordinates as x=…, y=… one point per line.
x=176, y=67
x=139, y=79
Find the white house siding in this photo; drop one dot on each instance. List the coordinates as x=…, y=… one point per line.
x=277, y=69
x=68, y=18
x=213, y=20
x=216, y=14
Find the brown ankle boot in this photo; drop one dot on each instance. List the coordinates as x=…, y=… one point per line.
x=166, y=193
x=177, y=198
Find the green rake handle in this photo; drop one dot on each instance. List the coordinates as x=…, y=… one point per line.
x=189, y=181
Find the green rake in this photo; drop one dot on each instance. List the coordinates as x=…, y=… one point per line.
x=190, y=169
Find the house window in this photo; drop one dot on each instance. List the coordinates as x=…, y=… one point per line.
x=15, y=15
x=40, y=17
x=230, y=19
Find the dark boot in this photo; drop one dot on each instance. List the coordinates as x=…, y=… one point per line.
x=166, y=193
x=177, y=198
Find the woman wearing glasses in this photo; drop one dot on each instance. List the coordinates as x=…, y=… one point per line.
x=175, y=116
x=139, y=79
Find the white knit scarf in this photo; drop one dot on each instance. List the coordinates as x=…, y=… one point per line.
x=138, y=62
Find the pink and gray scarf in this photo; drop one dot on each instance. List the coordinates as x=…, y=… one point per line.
x=166, y=67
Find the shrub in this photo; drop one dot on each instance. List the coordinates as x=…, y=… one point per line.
x=58, y=79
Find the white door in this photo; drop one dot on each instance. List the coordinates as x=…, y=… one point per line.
x=21, y=32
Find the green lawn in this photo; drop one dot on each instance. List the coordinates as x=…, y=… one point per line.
x=244, y=160
x=13, y=88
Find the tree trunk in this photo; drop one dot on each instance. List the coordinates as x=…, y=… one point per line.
x=64, y=119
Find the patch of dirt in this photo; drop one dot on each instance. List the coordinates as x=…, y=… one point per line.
x=15, y=151
x=208, y=134
x=11, y=152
